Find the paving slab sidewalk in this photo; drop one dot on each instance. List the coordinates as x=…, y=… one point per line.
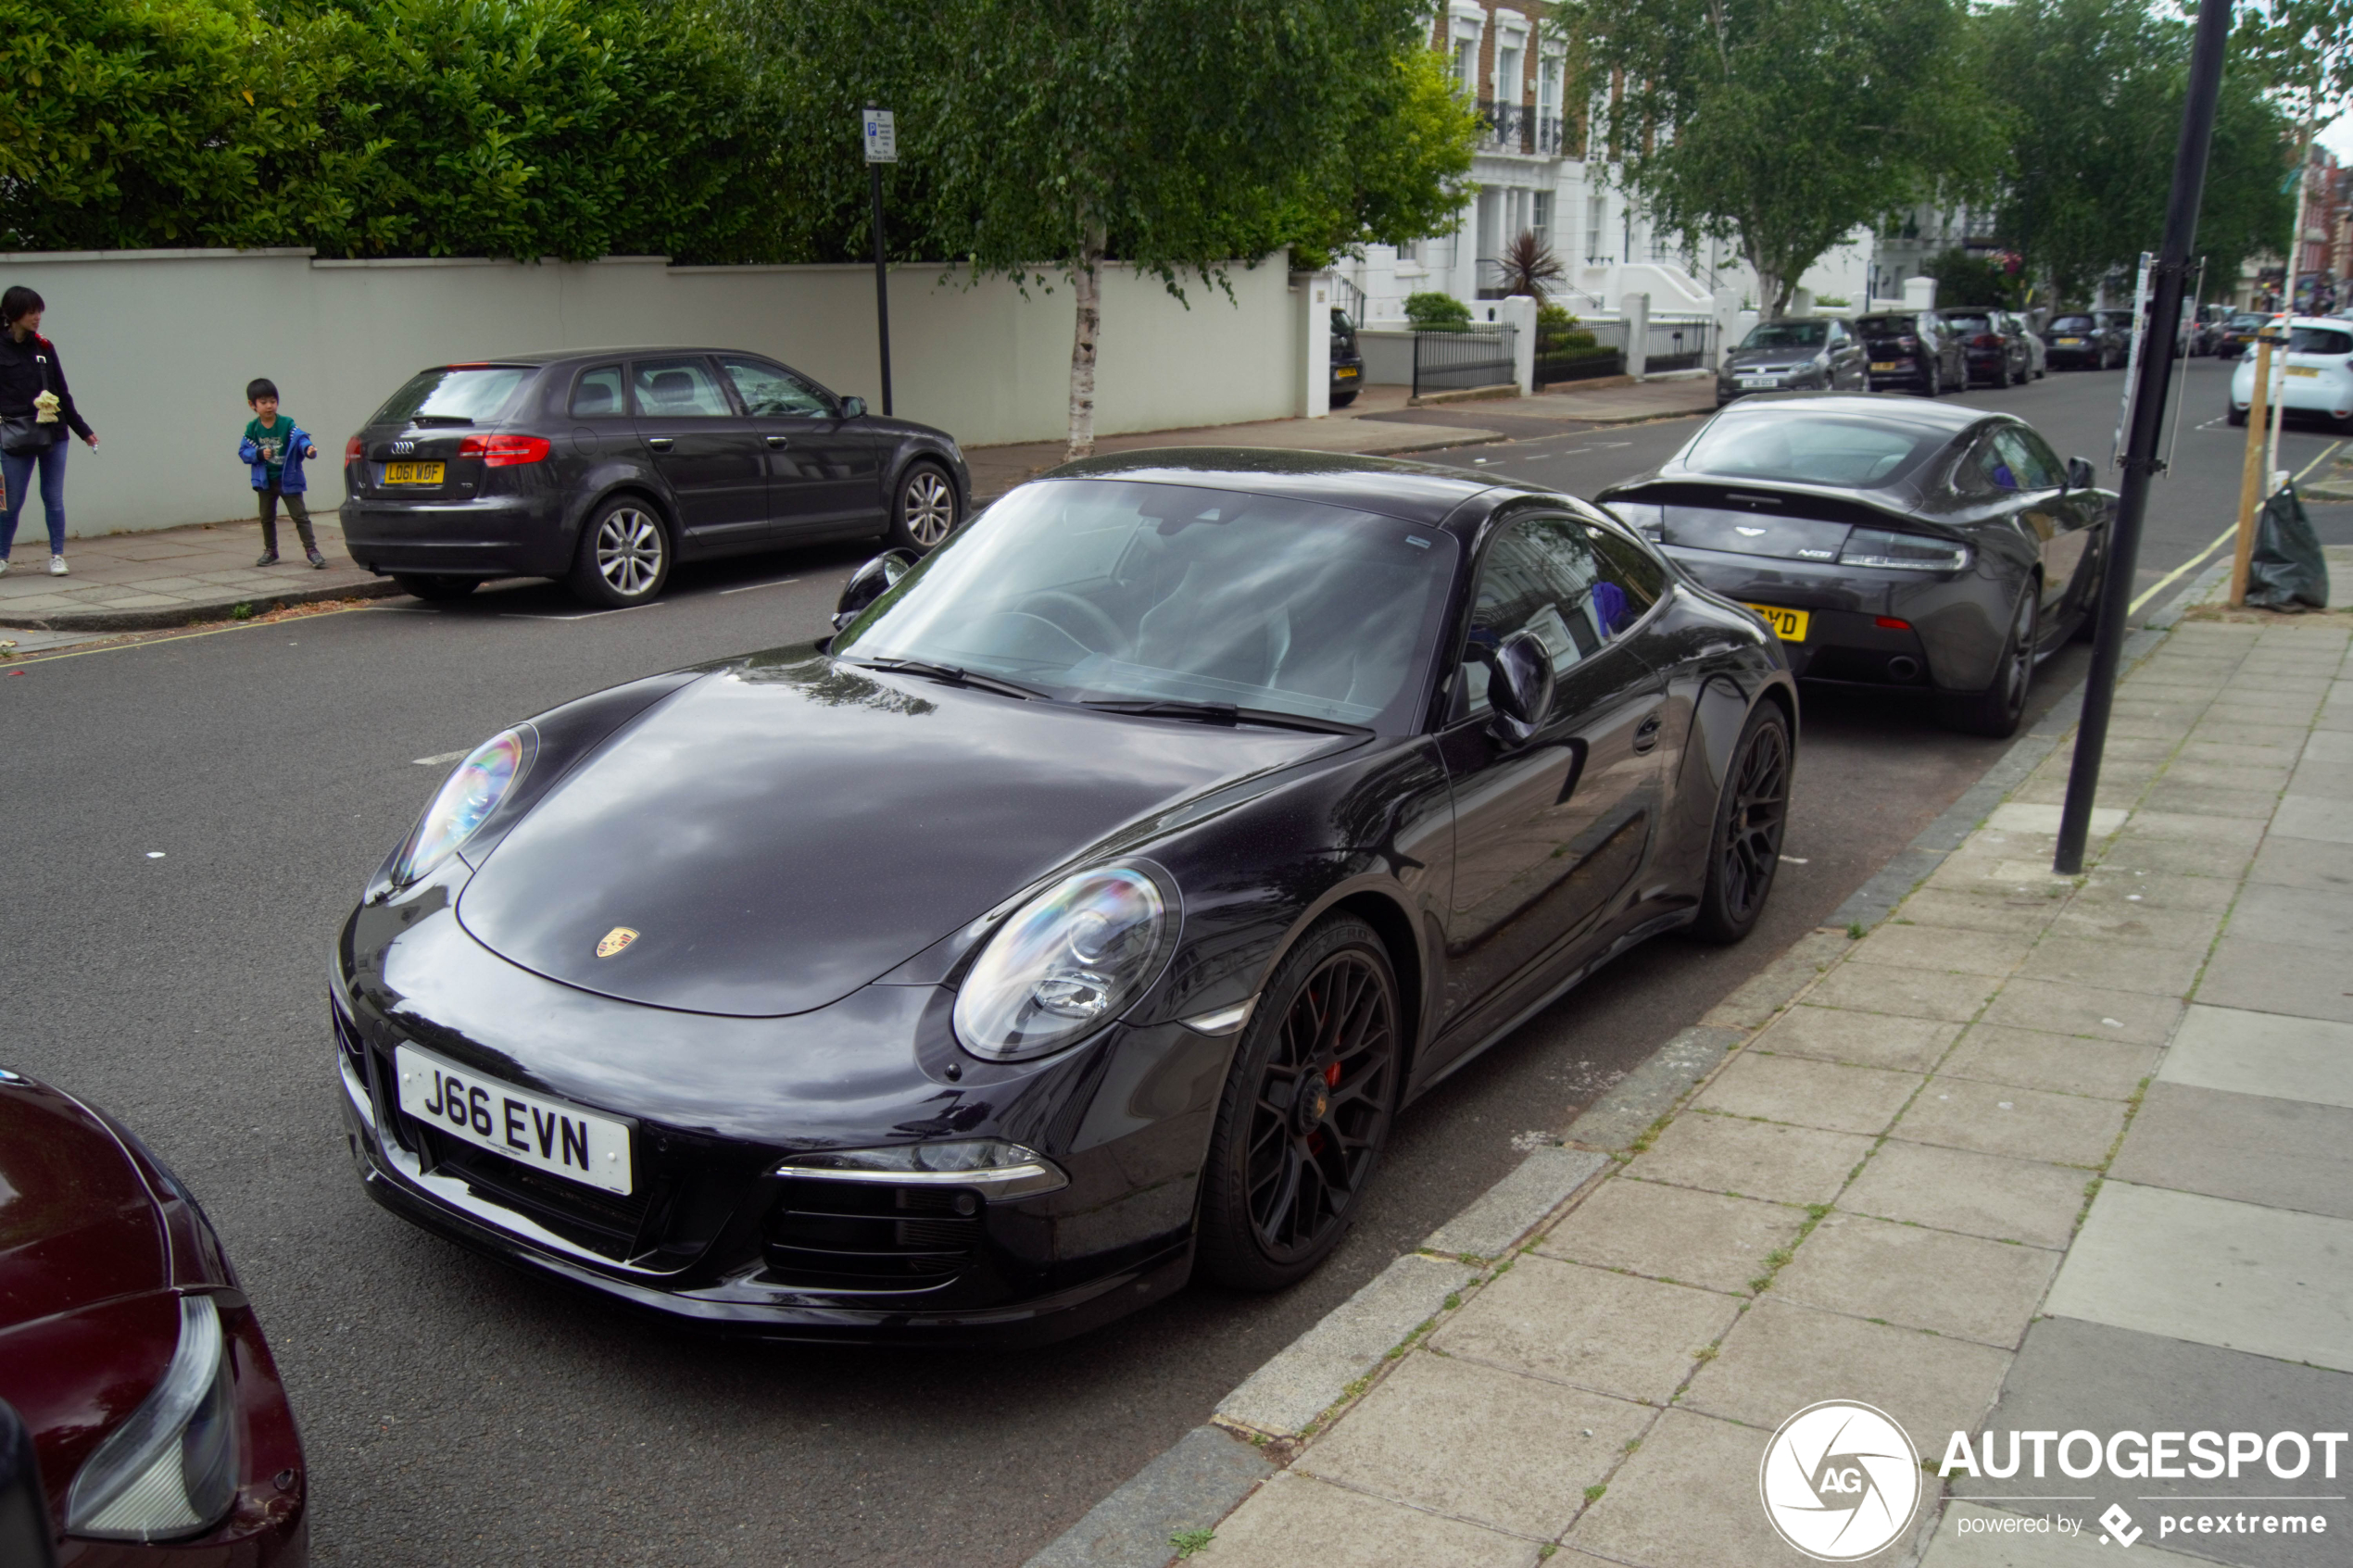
x=2035, y=1153
x=173, y=577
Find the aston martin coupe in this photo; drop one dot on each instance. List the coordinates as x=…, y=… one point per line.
x=1081, y=914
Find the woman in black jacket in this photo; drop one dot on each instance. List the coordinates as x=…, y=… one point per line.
x=34, y=403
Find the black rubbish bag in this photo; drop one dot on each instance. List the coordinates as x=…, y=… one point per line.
x=2288, y=569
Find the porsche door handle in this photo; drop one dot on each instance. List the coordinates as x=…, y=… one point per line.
x=1646, y=735
x=660, y=443
x=780, y=442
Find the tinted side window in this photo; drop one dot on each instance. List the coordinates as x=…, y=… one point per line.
x=2020, y=465
x=774, y=391
x=678, y=389
x=1541, y=575
x=1637, y=572
x=600, y=393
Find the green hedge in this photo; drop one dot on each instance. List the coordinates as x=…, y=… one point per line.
x=524, y=127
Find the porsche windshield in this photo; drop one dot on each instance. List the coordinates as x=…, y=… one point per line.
x=1105, y=590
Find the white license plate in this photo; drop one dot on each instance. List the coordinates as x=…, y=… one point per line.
x=1752, y=383
x=547, y=1134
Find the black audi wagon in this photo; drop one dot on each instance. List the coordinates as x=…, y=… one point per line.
x=603, y=466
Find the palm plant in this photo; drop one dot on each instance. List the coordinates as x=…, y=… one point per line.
x=1528, y=266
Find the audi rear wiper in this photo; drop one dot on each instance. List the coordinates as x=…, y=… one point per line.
x=952, y=674
x=439, y=419
x=1223, y=713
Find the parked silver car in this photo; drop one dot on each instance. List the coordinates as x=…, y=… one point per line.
x=1811, y=353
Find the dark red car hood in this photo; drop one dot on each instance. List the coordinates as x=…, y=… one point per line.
x=78, y=1223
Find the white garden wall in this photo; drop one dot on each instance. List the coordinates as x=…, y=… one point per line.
x=159, y=345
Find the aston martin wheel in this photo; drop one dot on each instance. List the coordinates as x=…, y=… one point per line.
x=1996, y=711
x=1746, y=848
x=625, y=555
x=1306, y=1111
x=924, y=512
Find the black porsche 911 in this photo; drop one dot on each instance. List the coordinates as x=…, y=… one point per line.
x=1083, y=914
x=1888, y=542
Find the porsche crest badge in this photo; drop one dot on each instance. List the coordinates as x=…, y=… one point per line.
x=619, y=936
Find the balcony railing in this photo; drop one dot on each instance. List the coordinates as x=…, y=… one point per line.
x=1517, y=128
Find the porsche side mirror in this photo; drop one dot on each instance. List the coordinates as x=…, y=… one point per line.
x=2079, y=474
x=853, y=407
x=24, y=1511
x=1519, y=687
x=868, y=583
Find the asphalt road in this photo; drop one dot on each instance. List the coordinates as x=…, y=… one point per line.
x=457, y=1412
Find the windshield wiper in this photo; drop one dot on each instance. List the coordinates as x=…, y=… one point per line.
x=950, y=674
x=1223, y=713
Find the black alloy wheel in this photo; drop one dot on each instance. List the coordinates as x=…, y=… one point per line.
x=625, y=555
x=1746, y=848
x=1932, y=380
x=434, y=587
x=1306, y=1111
x=924, y=512
x=1995, y=711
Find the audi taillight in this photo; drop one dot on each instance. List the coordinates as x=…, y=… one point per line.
x=504, y=451
x=351, y=450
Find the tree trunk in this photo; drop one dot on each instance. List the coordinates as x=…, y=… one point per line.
x=1086, y=283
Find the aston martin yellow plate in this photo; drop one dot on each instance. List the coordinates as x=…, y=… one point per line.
x=1787, y=624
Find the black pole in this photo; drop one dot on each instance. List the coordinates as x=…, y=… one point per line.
x=2141, y=463
x=882, y=287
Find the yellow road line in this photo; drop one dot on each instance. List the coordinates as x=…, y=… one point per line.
x=2227, y=535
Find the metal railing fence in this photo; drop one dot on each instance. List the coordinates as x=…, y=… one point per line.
x=1459, y=361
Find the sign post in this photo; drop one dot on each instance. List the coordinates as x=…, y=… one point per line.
x=880, y=131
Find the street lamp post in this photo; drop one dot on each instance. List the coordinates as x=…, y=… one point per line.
x=2141, y=463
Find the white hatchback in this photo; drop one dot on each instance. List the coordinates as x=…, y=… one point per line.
x=2315, y=376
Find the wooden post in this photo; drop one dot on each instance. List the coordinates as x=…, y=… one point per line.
x=2255, y=485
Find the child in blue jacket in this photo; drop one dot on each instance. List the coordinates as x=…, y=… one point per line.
x=276, y=448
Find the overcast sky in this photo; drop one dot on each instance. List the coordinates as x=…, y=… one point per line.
x=2338, y=139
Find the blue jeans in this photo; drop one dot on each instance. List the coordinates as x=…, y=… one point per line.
x=17, y=468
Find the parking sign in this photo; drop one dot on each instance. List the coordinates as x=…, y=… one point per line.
x=881, y=136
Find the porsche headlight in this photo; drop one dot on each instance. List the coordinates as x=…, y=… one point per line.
x=1068, y=962
x=466, y=798
x=171, y=1469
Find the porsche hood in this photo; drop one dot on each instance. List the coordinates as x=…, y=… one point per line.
x=783, y=831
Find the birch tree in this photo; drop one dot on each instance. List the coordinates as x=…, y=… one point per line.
x=1174, y=137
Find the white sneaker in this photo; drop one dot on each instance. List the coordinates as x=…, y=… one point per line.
x=3, y=566
x=57, y=566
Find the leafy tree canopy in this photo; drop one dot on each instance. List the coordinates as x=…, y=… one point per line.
x=1784, y=125
x=2094, y=91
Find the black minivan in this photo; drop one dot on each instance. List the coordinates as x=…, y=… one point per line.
x=602, y=467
